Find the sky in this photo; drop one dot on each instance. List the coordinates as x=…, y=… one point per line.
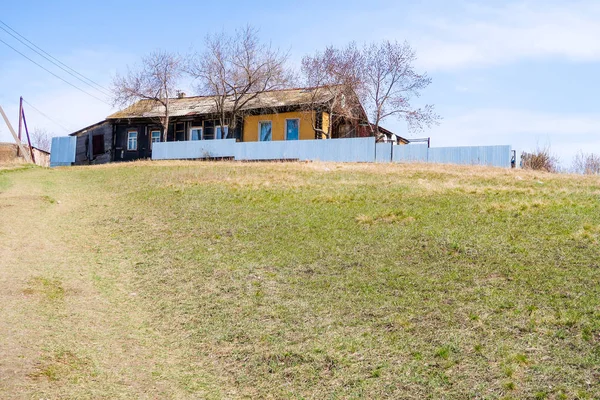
x=524, y=72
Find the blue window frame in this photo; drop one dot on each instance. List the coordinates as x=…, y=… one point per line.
x=132, y=137
x=154, y=137
x=221, y=133
x=196, y=133
x=264, y=131
x=292, y=129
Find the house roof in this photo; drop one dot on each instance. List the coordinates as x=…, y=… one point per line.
x=197, y=105
x=87, y=128
x=389, y=134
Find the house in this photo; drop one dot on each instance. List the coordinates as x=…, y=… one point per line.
x=291, y=114
x=387, y=136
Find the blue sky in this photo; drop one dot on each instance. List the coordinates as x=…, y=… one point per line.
x=524, y=73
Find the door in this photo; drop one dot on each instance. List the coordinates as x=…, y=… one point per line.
x=292, y=128
x=143, y=143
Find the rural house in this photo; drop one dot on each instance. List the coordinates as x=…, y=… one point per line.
x=293, y=114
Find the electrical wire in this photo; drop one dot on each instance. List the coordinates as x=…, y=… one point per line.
x=52, y=73
x=47, y=117
x=91, y=83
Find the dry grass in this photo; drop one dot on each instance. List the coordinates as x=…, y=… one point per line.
x=299, y=280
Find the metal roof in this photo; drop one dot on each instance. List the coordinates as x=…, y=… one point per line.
x=199, y=105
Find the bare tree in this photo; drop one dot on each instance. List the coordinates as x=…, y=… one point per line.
x=390, y=82
x=335, y=79
x=41, y=139
x=236, y=70
x=382, y=76
x=155, y=81
x=587, y=163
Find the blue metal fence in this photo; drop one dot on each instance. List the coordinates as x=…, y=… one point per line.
x=337, y=150
x=410, y=153
x=383, y=152
x=496, y=156
x=193, y=149
x=62, y=152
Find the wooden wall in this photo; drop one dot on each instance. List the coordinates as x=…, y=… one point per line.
x=84, y=153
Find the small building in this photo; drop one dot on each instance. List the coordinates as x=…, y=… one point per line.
x=9, y=153
x=292, y=114
x=386, y=136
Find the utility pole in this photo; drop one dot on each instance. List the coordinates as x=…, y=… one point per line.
x=27, y=132
x=12, y=131
x=20, y=122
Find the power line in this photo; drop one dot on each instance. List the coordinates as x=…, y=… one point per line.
x=56, y=61
x=47, y=117
x=56, y=64
x=52, y=73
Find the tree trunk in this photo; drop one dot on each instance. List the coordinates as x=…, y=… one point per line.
x=166, y=128
x=330, y=127
x=166, y=124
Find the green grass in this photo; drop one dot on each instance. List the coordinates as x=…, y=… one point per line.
x=328, y=280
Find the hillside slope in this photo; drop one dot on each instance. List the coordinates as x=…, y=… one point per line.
x=293, y=280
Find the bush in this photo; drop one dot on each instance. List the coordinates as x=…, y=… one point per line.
x=588, y=164
x=540, y=160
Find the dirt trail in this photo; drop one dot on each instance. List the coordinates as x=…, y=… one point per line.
x=70, y=328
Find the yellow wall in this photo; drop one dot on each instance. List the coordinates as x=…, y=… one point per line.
x=278, y=125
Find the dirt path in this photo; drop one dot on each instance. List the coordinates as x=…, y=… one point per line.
x=70, y=326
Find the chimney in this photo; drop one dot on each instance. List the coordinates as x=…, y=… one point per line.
x=180, y=94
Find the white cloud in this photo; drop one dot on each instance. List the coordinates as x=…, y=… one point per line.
x=484, y=36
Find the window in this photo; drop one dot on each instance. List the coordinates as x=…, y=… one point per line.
x=264, y=131
x=97, y=144
x=132, y=137
x=196, y=133
x=292, y=128
x=208, y=132
x=221, y=133
x=154, y=137
x=180, y=131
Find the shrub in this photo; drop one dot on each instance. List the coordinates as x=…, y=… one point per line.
x=540, y=160
x=587, y=163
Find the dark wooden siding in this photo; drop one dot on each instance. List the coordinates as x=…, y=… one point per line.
x=84, y=152
x=142, y=151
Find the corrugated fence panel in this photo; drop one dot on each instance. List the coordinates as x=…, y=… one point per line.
x=383, y=152
x=275, y=150
x=341, y=150
x=410, y=153
x=338, y=150
x=193, y=149
x=497, y=156
x=62, y=152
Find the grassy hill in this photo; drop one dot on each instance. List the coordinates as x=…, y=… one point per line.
x=294, y=280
